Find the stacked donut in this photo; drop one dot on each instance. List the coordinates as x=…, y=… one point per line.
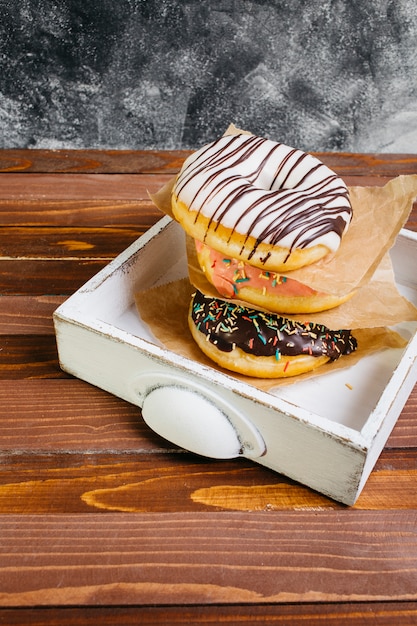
x=257, y=210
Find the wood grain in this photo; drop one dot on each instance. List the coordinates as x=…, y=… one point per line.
x=91, y=161
x=313, y=614
x=29, y=356
x=67, y=243
x=39, y=277
x=223, y=558
x=58, y=187
x=27, y=315
x=149, y=477
x=101, y=520
x=137, y=213
x=149, y=161
x=70, y=416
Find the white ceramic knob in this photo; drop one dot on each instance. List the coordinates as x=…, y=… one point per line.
x=197, y=420
x=190, y=421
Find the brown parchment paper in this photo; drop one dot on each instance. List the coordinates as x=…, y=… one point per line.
x=362, y=263
x=165, y=310
x=376, y=303
x=378, y=215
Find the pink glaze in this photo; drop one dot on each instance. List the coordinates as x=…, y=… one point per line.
x=229, y=275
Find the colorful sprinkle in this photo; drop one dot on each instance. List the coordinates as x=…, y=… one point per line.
x=264, y=334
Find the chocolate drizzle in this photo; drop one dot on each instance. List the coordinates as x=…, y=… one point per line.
x=267, y=191
x=227, y=326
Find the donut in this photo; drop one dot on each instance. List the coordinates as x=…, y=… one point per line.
x=261, y=202
x=259, y=344
x=266, y=289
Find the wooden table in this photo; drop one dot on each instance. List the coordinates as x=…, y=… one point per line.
x=101, y=521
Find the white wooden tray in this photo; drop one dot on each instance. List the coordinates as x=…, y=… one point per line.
x=326, y=432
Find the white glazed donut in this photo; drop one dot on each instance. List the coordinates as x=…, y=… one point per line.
x=262, y=202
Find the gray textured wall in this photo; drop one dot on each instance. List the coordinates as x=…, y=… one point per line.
x=316, y=74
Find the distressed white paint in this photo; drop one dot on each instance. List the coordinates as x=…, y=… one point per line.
x=303, y=431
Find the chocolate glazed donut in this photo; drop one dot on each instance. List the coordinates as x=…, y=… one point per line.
x=223, y=327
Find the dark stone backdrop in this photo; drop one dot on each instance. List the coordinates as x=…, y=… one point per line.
x=316, y=74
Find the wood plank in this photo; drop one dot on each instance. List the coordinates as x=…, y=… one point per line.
x=404, y=433
x=29, y=356
x=92, y=161
x=82, y=200
x=353, y=180
x=28, y=315
x=313, y=614
x=61, y=243
x=88, y=483
x=44, y=276
x=160, y=481
x=48, y=187
x=69, y=415
x=158, y=161
x=208, y=558
x=369, y=164
x=90, y=212
x=405, y=430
